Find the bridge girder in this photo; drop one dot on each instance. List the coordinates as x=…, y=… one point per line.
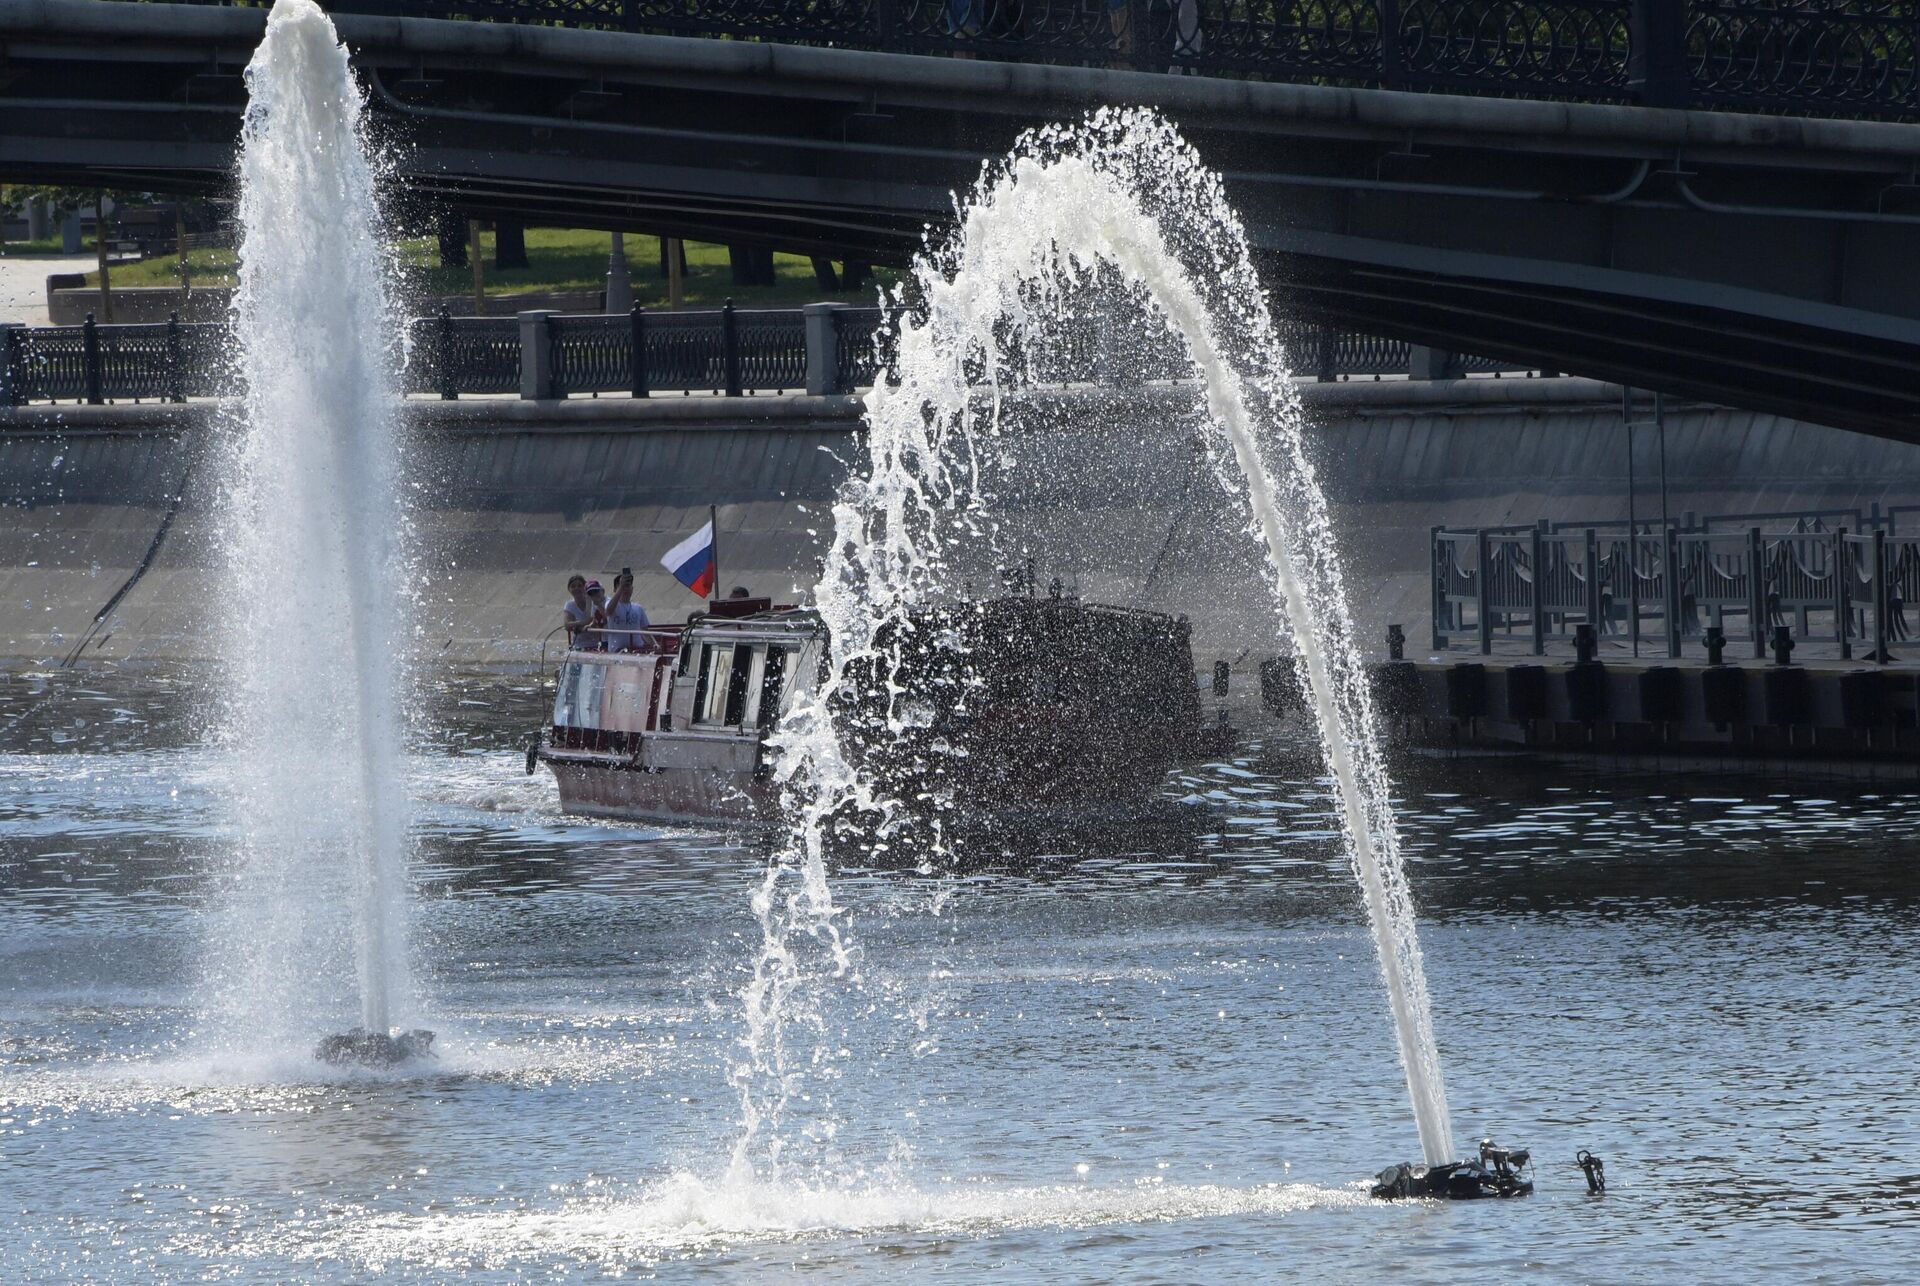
x=1761, y=262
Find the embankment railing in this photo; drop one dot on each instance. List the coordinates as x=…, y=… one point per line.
x=818, y=348
x=1668, y=586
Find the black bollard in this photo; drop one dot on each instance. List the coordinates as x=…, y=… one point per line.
x=1396, y=643
x=1596, y=1172
x=1585, y=643
x=1220, y=672
x=1783, y=645
x=1716, y=641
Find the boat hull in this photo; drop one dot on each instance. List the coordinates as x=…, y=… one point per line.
x=595, y=788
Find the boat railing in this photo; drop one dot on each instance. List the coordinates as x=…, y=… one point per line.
x=662, y=638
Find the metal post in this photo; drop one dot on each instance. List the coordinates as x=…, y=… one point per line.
x=1633, y=526
x=180, y=251
x=1425, y=363
x=1481, y=580
x=1390, y=77
x=1671, y=575
x=13, y=364
x=1757, y=593
x=619, y=293
x=1657, y=53
x=1633, y=590
x=1842, y=605
x=176, y=374
x=536, y=355
x=1439, y=564
x=638, y=365
x=479, y=264
x=730, y=349
x=822, y=322
x=1136, y=49
x=1539, y=595
x=1593, y=579
x=1325, y=366
x=1660, y=440
x=1880, y=595
x=91, y=346
x=444, y=376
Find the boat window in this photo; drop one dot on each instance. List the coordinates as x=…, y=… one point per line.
x=740, y=683
x=710, y=698
x=577, y=696
x=772, y=688
x=753, y=689
x=565, y=692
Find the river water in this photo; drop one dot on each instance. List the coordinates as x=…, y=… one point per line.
x=1139, y=1054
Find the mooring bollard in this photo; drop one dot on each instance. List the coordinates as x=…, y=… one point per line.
x=1783, y=645
x=1396, y=643
x=1586, y=643
x=1716, y=641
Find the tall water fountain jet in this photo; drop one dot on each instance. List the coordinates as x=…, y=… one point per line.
x=317, y=560
x=1121, y=208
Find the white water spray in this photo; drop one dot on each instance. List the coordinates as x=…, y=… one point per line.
x=316, y=560
x=1123, y=207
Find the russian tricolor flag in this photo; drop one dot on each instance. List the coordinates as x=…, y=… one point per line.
x=691, y=561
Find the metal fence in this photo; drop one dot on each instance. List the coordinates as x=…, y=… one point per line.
x=826, y=348
x=1795, y=57
x=1671, y=586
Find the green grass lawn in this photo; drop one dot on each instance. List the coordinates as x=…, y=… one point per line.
x=47, y=247
x=558, y=259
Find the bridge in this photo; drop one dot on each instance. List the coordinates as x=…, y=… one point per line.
x=1719, y=200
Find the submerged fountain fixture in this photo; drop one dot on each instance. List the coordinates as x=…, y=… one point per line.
x=1496, y=1172
x=314, y=528
x=1116, y=214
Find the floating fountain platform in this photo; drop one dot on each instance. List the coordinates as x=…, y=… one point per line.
x=1496, y=1172
x=375, y=1048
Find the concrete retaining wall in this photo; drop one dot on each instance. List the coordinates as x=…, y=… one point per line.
x=511, y=496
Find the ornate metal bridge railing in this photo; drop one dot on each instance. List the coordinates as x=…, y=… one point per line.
x=1793, y=57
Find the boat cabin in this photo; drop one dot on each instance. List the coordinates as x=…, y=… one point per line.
x=696, y=707
x=1016, y=701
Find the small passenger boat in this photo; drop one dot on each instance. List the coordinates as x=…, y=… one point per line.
x=1010, y=703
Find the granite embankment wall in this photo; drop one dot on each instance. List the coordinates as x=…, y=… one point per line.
x=509, y=497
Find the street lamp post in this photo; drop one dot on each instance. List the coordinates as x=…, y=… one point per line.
x=619, y=285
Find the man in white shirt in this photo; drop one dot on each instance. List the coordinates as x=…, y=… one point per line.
x=626, y=619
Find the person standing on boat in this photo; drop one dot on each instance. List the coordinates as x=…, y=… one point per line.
x=594, y=637
x=577, y=612
x=626, y=620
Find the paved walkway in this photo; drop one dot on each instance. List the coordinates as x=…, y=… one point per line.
x=23, y=284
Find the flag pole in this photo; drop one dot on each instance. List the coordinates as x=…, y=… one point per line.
x=713, y=520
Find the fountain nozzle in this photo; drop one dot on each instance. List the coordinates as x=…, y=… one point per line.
x=1496, y=1172
x=375, y=1048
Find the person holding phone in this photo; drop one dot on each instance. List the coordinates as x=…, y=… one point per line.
x=626, y=620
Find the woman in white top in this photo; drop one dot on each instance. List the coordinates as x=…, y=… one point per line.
x=582, y=614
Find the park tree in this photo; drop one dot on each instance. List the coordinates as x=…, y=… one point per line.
x=509, y=245
x=63, y=201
